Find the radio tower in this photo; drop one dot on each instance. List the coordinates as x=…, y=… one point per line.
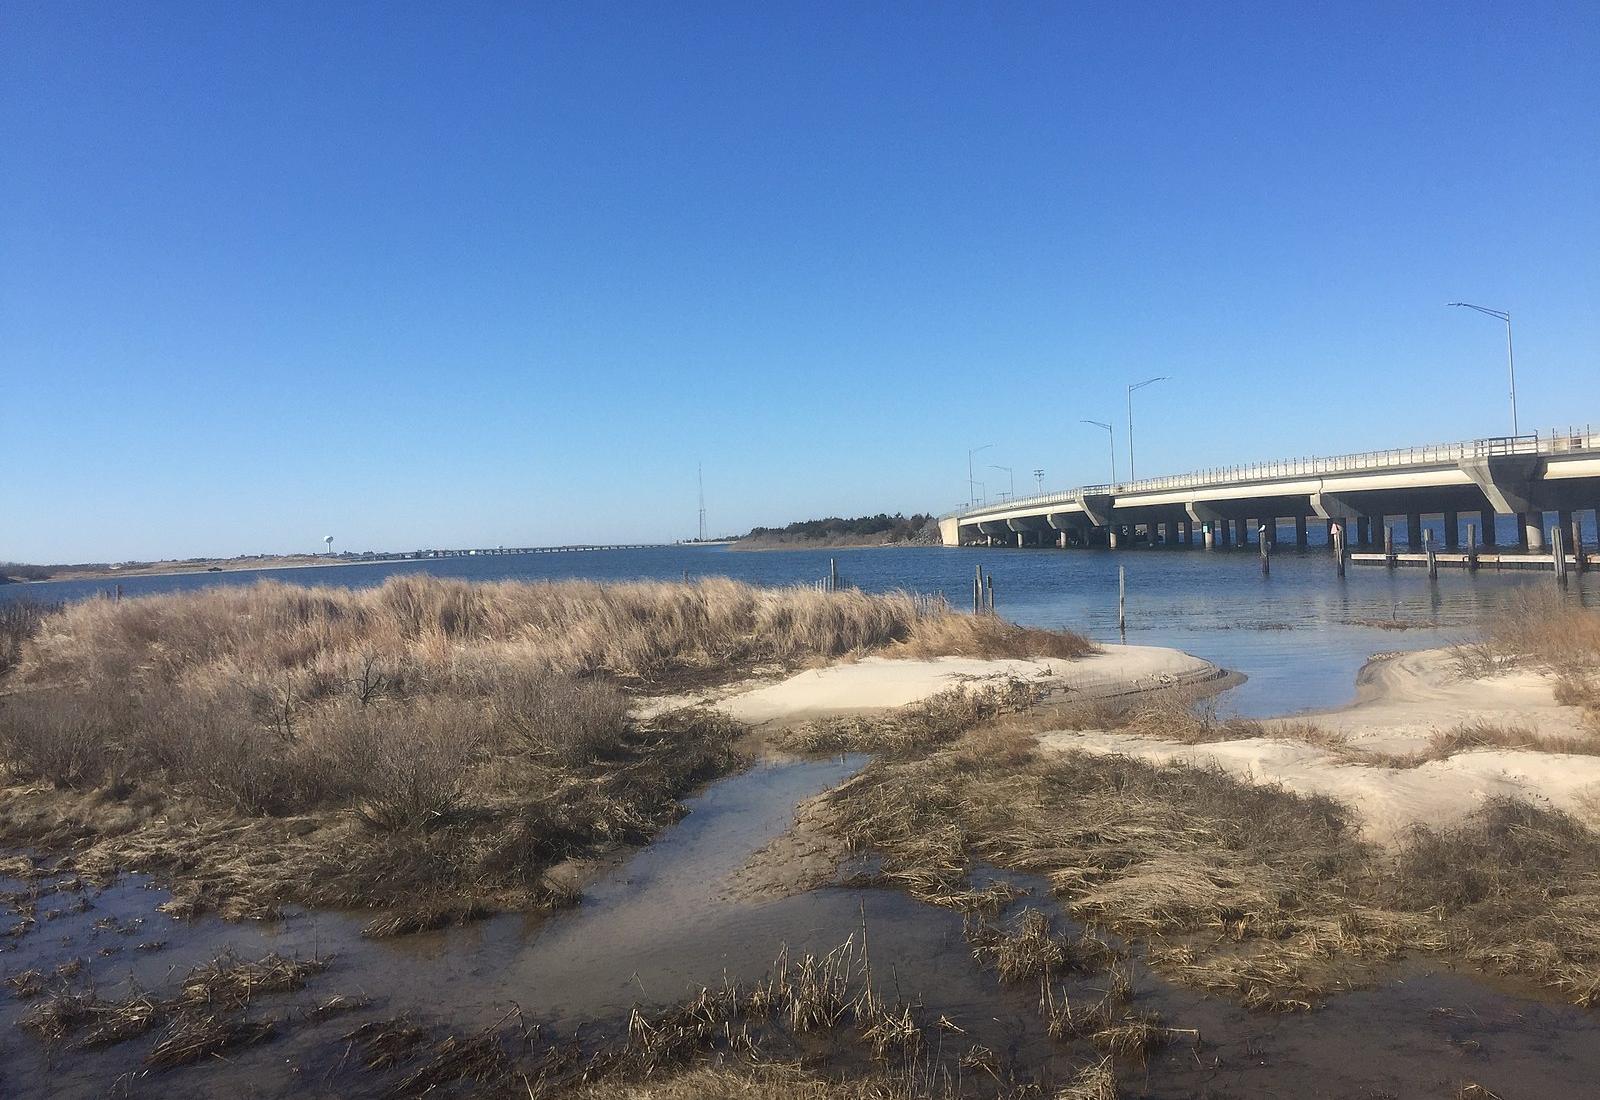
x=700, y=476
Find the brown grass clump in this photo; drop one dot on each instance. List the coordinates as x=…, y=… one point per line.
x=195, y=1036
x=756, y=1081
x=1096, y=1081
x=939, y=719
x=988, y=637
x=1520, y=889
x=229, y=983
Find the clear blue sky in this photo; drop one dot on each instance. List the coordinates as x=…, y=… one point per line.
x=463, y=274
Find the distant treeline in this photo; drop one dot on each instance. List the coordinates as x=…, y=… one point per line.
x=14, y=571
x=895, y=528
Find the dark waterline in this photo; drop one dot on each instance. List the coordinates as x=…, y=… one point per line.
x=1299, y=634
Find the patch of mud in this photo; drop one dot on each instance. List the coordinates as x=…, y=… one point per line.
x=806, y=857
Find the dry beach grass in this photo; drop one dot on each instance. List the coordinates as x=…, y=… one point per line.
x=438, y=748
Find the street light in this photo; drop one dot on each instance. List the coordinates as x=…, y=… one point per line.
x=1112, y=436
x=1136, y=386
x=1012, y=490
x=970, y=483
x=1511, y=363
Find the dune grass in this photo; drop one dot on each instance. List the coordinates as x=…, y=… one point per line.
x=431, y=746
x=1556, y=634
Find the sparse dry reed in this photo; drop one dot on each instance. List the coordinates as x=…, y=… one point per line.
x=1556, y=634
x=1096, y=1081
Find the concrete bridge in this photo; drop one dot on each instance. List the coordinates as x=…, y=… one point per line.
x=1543, y=481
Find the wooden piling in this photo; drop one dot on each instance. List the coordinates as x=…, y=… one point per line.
x=1558, y=555
x=1122, y=601
x=1388, y=546
x=1578, y=564
x=1336, y=537
x=1266, y=549
x=1472, y=548
x=989, y=582
x=977, y=589
x=1431, y=552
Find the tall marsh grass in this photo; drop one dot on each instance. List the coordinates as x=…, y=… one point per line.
x=437, y=735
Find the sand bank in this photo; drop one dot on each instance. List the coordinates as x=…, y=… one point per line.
x=880, y=683
x=1404, y=700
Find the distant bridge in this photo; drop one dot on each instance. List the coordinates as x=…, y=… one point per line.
x=1526, y=476
x=492, y=551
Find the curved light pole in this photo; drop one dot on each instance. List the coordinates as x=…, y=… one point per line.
x=1011, y=478
x=1511, y=363
x=1137, y=386
x=971, y=500
x=1112, y=436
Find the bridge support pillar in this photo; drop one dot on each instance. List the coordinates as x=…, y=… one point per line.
x=1413, y=531
x=1300, y=532
x=1111, y=537
x=1486, y=525
x=1019, y=540
x=1363, y=531
x=1208, y=536
x=1169, y=533
x=1564, y=521
x=1452, y=531
x=1531, y=525
x=1061, y=539
x=1240, y=538
x=1188, y=532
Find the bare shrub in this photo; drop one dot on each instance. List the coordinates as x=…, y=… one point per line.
x=557, y=716
x=67, y=740
x=408, y=768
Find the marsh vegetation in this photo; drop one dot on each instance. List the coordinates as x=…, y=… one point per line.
x=434, y=748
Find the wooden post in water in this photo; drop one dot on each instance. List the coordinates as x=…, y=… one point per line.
x=1558, y=555
x=1388, y=546
x=1266, y=548
x=1336, y=537
x=1577, y=547
x=1122, y=601
x=977, y=589
x=989, y=581
x=1472, y=548
x=1432, y=553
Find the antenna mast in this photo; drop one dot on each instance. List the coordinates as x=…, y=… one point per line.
x=700, y=476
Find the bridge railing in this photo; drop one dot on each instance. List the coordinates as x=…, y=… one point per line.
x=1432, y=454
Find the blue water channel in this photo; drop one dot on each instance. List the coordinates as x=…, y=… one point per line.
x=1299, y=633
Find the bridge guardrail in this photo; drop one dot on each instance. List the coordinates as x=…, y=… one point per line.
x=1431, y=454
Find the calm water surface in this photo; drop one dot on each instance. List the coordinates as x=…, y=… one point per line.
x=1299, y=634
